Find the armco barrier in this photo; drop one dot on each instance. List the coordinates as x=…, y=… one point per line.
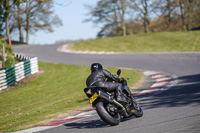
x=19, y=71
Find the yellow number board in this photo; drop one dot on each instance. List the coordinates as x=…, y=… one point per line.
x=93, y=98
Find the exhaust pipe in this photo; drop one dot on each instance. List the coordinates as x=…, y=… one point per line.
x=122, y=107
x=112, y=100
x=105, y=96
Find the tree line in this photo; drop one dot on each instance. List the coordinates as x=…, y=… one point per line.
x=123, y=17
x=26, y=16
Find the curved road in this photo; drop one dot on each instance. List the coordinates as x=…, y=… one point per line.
x=176, y=110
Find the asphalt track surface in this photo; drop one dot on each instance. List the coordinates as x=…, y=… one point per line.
x=176, y=110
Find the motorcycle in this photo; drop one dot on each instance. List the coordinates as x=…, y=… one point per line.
x=108, y=108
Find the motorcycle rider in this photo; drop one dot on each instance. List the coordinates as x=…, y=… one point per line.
x=98, y=78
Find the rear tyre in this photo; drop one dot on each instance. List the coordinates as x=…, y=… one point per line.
x=111, y=119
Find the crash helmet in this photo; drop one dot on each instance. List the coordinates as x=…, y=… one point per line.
x=96, y=66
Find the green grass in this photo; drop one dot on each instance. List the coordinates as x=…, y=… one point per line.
x=57, y=91
x=151, y=42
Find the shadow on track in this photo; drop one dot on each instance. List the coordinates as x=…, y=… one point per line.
x=92, y=124
x=87, y=124
x=187, y=91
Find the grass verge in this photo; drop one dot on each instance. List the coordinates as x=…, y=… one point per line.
x=58, y=90
x=140, y=43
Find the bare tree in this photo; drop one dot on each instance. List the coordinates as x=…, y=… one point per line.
x=1, y=17
x=19, y=19
x=181, y=5
x=191, y=13
x=7, y=11
x=121, y=12
x=143, y=7
x=39, y=16
x=27, y=20
x=110, y=14
x=6, y=14
x=32, y=15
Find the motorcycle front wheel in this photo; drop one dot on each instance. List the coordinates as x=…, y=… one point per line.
x=108, y=117
x=138, y=110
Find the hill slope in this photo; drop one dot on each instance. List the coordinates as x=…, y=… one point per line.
x=151, y=42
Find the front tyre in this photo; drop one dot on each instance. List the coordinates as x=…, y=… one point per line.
x=138, y=110
x=106, y=116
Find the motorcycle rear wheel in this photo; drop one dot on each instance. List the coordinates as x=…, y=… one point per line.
x=105, y=115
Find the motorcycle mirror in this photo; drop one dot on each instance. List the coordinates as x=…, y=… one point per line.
x=119, y=72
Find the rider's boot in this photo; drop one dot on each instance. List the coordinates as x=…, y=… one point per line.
x=120, y=97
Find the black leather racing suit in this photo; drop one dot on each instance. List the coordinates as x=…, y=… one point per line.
x=98, y=79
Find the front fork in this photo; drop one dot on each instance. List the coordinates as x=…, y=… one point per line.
x=125, y=86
